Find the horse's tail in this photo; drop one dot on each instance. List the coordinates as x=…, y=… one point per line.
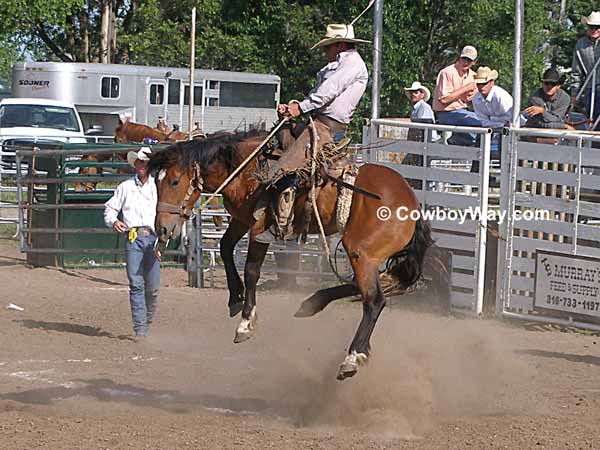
x=406, y=266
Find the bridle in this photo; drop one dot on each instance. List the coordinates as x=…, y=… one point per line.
x=184, y=209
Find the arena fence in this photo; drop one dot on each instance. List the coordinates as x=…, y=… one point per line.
x=549, y=267
x=441, y=178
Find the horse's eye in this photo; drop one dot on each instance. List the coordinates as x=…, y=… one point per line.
x=175, y=182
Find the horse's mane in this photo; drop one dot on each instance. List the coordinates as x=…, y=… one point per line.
x=220, y=146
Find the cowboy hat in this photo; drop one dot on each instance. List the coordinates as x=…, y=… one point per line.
x=417, y=86
x=143, y=154
x=339, y=33
x=485, y=74
x=592, y=19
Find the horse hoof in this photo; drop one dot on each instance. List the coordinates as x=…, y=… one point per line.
x=245, y=329
x=235, y=308
x=346, y=371
x=241, y=337
x=350, y=365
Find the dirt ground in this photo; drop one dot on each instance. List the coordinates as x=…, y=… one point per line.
x=70, y=377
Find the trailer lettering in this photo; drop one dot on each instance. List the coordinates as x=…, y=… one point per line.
x=38, y=83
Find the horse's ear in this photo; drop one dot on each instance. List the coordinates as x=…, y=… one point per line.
x=120, y=121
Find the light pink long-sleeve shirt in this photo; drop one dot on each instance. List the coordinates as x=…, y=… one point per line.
x=340, y=86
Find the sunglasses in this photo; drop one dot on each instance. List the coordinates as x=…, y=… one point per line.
x=551, y=83
x=594, y=27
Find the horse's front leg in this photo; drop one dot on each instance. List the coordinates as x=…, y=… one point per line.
x=254, y=261
x=232, y=235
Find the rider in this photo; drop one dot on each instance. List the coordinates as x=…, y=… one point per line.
x=340, y=86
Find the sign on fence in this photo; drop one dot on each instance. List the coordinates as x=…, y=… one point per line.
x=567, y=283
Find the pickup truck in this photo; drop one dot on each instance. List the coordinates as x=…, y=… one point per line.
x=24, y=121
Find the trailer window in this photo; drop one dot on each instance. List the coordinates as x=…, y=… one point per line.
x=110, y=87
x=212, y=84
x=247, y=95
x=157, y=94
x=174, y=88
x=211, y=101
x=197, y=95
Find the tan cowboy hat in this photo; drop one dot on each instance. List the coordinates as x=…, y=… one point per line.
x=485, y=74
x=417, y=86
x=143, y=154
x=592, y=19
x=339, y=33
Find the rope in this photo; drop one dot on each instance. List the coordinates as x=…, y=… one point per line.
x=313, y=195
x=362, y=13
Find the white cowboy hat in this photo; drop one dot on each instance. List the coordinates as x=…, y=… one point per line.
x=339, y=33
x=485, y=74
x=143, y=154
x=592, y=19
x=417, y=86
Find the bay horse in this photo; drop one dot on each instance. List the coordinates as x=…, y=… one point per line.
x=187, y=168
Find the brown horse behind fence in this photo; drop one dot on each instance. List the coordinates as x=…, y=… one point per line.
x=369, y=239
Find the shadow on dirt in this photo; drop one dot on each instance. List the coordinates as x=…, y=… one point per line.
x=106, y=390
x=63, y=327
x=572, y=357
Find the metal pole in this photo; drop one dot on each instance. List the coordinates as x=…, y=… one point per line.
x=517, y=72
x=192, y=68
x=486, y=143
x=376, y=89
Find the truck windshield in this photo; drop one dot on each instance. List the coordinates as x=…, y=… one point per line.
x=38, y=116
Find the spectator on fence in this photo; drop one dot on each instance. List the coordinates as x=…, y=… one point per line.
x=420, y=111
x=493, y=107
x=454, y=90
x=136, y=199
x=548, y=106
x=492, y=104
x=585, y=56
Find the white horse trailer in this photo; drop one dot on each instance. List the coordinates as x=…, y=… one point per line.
x=104, y=92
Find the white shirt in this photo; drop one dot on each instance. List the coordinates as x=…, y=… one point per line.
x=495, y=109
x=340, y=86
x=136, y=200
x=422, y=110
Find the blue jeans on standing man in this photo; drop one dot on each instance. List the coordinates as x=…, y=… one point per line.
x=588, y=104
x=143, y=271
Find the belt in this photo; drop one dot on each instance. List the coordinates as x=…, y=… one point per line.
x=143, y=231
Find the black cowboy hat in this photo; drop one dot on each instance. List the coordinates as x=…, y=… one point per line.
x=552, y=75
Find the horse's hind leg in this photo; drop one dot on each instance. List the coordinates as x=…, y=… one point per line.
x=373, y=300
x=323, y=297
x=234, y=233
x=254, y=261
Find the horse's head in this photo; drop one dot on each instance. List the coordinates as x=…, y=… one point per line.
x=120, y=134
x=178, y=188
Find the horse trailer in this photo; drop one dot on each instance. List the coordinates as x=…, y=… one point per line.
x=103, y=93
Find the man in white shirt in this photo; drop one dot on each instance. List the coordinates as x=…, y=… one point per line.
x=136, y=199
x=492, y=104
x=333, y=100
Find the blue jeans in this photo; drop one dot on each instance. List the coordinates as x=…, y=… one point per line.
x=143, y=271
x=460, y=117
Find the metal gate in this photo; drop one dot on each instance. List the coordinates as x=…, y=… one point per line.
x=550, y=263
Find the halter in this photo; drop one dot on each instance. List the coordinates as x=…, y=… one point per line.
x=184, y=209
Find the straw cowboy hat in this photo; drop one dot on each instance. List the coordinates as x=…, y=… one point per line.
x=485, y=74
x=143, y=154
x=416, y=86
x=592, y=19
x=339, y=33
